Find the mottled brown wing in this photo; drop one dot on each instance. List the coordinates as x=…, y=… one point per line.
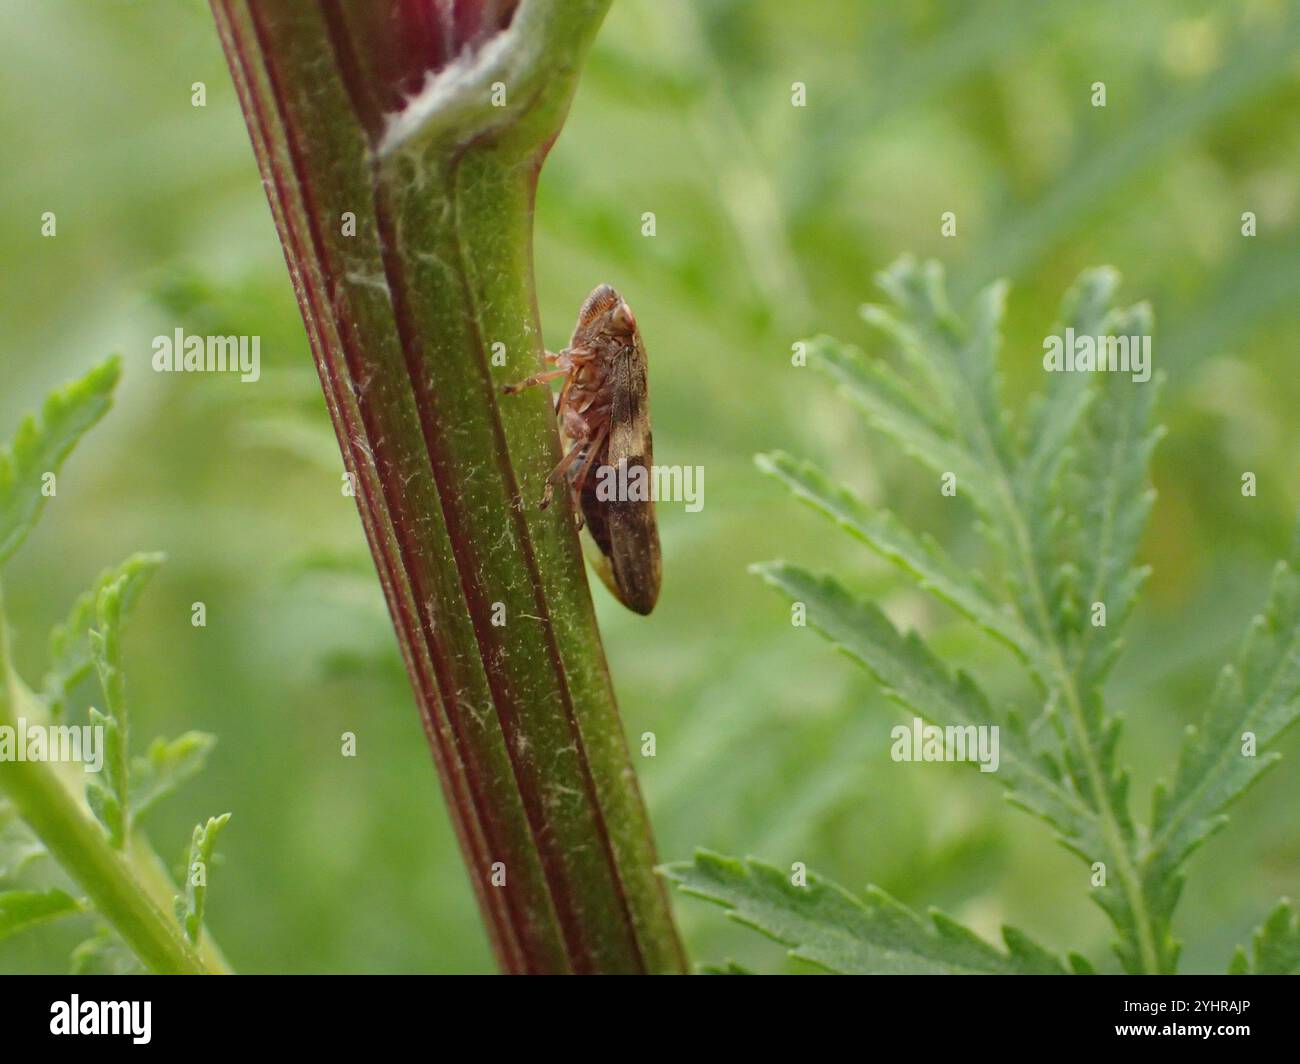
x=633, y=533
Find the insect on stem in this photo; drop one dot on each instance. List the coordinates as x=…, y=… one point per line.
x=604, y=411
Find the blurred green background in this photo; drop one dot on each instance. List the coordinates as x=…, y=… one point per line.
x=771, y=221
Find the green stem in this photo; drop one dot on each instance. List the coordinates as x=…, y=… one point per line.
x=151, y=873
x=488, y=594
x=77, y=842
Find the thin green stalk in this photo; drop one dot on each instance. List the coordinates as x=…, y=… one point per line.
x=77, y=842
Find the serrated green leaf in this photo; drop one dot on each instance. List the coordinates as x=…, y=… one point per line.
x=920, y=557
x=1032, y=522
x=1111, y=498
x=108, y=792
x=1080, y=965
x=105, y=793
x=909, y=674
x=1051, y=452
x=21, y=909
x=825, y=925
x=18, y=846
x=930, y=401
x=1057, y=412
x=1257, y=695
x=917, y=288
x=104, y=954
x=69, y=643
x=977, y=358
x=1064, y=508
x=166, y=767
x=106, y=650
x=189, y=907
x=912, y=676
x=40, y=447
x=962, y=359
x=875, y=389
x=1276, y=944
x=976, y=444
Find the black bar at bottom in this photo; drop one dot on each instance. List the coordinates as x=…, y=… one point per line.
x=339, y=1013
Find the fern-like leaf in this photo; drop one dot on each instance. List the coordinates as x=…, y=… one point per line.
x=1063, y=504
x=921, y=557
x=1276, y=945
x=104, y=954
x=69, y=643
x=1050, y=448
x=165, y=767
x=18, y=846
x=1256, y=699
x=21, y=909
x=825, y=925
x=40, y=448
x=873, y=387
x=108, y=792
x=1108, y=492
x=190, y=906
x=910, y=674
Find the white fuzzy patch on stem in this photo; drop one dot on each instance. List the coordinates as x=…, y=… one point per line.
x=444, y=90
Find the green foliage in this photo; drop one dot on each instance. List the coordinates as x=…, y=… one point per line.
x=18, y=846
x=189, y=907
x=41, y=446
x=1277, y=945
x=69, y=643
x=767, y=203
x=107, y=792
x=124, y=788
x=911, y=675
x=921, y=556
x=1062, y=504
x=827, y=926
x=165, y=767
x=104, y=954
x=21, y=909
x=128, y=786
x=1257, y=696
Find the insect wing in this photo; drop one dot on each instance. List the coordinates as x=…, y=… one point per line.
x=630, y=516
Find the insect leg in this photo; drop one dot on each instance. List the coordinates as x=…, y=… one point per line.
x=575, y=488
x=563, y=397
x=536, y=378
x=575, y=452
x=581, y=479
x=567, y=360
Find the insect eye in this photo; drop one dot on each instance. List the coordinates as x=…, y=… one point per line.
x=623, y=316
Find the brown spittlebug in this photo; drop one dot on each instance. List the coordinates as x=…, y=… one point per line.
x=604, y=412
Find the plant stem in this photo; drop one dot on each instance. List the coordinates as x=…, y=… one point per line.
x=488, y=594
x=60, y=819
